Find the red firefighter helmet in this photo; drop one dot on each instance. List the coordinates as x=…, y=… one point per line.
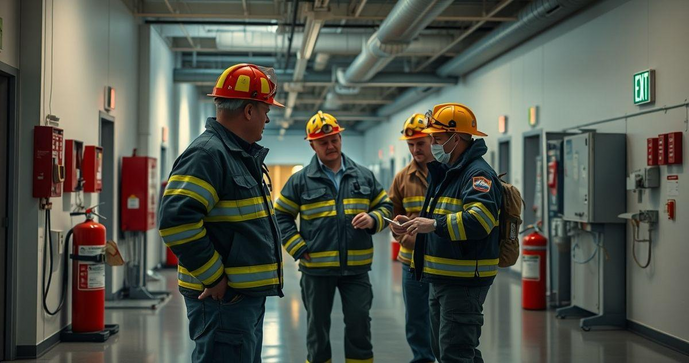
x=247, y=82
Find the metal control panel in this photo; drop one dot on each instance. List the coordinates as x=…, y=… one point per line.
x=595, y=177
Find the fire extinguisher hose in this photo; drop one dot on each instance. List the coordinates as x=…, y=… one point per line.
x=48, y=247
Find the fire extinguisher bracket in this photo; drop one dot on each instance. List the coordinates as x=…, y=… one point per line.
x=95, y=259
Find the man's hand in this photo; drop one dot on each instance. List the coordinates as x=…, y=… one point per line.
x=397, y=229
x=363, y=221
x=217, y=292
x=419, y=225
x=305, y=256
x=406, y=240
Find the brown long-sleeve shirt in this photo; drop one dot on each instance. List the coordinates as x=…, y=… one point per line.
x=407, y=194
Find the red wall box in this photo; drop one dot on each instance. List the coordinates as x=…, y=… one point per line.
x=662, y=149
x=48, y=169
x=92, y=169
x=674, y=148
x=652, y=151
x=138, y=201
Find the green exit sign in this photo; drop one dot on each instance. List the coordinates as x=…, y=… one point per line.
x=644, y=87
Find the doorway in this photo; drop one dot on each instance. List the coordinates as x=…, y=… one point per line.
x=532, y=175
x=504, y=158
x=107, y=194
x=8, y=209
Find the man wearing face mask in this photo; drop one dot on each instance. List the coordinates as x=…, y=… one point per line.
x=217, y=218
x=407, y=195
x=340, y=205
x=457, y=234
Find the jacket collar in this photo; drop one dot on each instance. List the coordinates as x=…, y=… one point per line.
x=233, y=142
x=314, y=169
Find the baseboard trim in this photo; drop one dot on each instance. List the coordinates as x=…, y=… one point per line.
x=659, y=337
x=37, y=351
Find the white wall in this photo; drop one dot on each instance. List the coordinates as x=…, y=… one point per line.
x=95, y=45
x=581, y=71
x=9, y=12
x=187, y=114
x=293, y=149
x=157, y=110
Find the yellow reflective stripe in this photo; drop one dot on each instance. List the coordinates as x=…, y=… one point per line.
x=243, y=83
x=324, y=254
x=360, y=252
x=319, y=215
x=413, y=209
x=380, y=197
x=206, y=266
x=251, y=269
x=480, y=220
x=451, y=261
x=355, y=201
x=449, y=200
x=450, y=223
x=250, y=284
x=484, y=209
x=413, y=199
x=192, y=238
x=194, y=180
x=288, y=202
x=187, y=193
x=319, y=264
x=283, y=209
x=240, y=203
x=189, y=285
x=348, y=360
x=457, y=273
x=240, y=218
x=296, y=248
x=354, y=211
x=327, y=203
x=379, y=219
x=181, y=228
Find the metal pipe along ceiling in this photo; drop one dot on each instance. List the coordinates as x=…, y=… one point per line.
x=406, y=20
x=327, y=43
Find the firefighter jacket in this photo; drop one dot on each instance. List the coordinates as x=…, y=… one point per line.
x=217, y=217
x=325, y=218
x=465, y=200
x=407, y=194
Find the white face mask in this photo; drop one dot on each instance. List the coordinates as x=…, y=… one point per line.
x=439, y=153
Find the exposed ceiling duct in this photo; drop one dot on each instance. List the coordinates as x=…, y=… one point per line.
x=406, y=20
x=536, y=17
x=328, y=43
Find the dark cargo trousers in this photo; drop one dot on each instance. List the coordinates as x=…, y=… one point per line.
x=456, y=321
x=318, y=294
x=230, y=330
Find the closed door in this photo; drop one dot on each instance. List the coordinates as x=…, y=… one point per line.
x=4, y=119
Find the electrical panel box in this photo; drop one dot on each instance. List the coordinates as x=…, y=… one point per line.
x=92, y=169
x=138, y=204
x=48, y=167
x=74, y=153
x=662, y=149
x=652, y=151
x=595, y=177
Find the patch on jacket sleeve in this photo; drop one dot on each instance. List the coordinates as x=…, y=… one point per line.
x=482, y=184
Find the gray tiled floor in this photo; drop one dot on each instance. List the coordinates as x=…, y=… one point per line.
x=510, y=334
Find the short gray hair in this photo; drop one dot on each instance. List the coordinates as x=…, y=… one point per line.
x=232, y=105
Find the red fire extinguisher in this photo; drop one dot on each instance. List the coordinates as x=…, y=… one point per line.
x=88, y=275
x=534, y=248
